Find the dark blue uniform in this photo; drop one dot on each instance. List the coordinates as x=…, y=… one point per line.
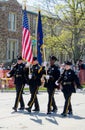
x=68, y=80
x=18, y=72
x=54, y=74
x=34, y=83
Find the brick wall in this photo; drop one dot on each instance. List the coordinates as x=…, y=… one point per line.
x=5, y=8
x=14, y=7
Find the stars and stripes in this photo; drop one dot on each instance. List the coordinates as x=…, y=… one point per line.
x=27, y=53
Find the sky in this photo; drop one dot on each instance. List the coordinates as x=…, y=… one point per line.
x=38, y=4
x=41, y=4
x=30, y=2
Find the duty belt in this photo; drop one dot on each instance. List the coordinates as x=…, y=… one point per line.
x=67, y=83
x=17, y=75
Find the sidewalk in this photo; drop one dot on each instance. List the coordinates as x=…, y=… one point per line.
x=41, y=121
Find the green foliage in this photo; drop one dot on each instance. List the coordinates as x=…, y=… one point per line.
x=66, y=31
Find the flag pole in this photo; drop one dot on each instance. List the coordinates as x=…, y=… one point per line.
x=36, y=29
x=44, y=57
x=24, y=8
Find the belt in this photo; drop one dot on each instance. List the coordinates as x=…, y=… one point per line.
x=67, y=83
x=18, y=75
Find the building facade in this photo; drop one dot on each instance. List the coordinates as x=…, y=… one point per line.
x=11, y=29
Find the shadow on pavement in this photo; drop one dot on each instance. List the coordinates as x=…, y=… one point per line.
x=77, y=117
x=37, y=120
x=35, y=116
x=52, y=119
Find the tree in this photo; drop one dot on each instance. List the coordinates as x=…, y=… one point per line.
x=70, y=16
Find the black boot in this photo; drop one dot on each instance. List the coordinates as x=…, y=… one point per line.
x=15, y=109
x=21, y=108
x=63, y=114
x=36, y=109
x=28, y=109
x=70, y=113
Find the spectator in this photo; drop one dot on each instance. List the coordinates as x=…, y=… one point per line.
x=81, y=65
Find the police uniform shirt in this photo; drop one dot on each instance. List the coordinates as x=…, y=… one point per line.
x=68, y=78
x=54, y=74
x=18, y=73
x=36, y=76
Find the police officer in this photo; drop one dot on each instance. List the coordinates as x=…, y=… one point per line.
x=53, y=74
x=67, y=80
x=34, y=83
x=18, y=72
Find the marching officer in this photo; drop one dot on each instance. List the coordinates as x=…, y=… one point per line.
x=18, y=72
x=53, y=74
x=67, y=80
x=34, y=83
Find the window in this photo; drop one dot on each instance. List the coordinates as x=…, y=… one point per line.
x=34, y=26
x=12, y=22
x=12, y=49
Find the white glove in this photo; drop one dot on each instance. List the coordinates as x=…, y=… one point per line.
x=30, y=76
x=47, y=77
x=57, y=83
x=8, y=75
x=27, y=64
x=45, y=63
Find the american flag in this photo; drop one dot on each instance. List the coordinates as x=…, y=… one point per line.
x=27, y=53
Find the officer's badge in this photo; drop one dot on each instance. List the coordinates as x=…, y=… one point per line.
x=21, y=67
x=36, y=68
x=69, y=73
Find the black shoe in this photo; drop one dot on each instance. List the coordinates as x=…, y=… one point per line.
x=21, y=108
x=28, y=109
x=54, y=110
x=48, y=113
x=63, y=114
x=70, y=113
x=37, y=110
x=15, y=109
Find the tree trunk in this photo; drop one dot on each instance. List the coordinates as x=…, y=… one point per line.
x=76, y=47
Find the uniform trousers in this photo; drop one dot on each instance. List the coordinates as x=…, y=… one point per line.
x=51, y=100
x=33, y=98
x=19, y=96
x=67, y=105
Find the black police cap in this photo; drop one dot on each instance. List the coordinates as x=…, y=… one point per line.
x=34, y=58
x=53, y=58
x=68, y=63
x=19, y=58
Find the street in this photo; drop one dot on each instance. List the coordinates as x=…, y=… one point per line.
x=22, y=120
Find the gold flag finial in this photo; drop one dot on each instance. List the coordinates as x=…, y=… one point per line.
x=24, y=4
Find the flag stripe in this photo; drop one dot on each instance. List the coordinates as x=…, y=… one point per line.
x=27, y=53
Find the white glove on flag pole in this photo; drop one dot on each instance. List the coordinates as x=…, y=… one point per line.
x=30, y=76
x=27, y=64
x=47, y=77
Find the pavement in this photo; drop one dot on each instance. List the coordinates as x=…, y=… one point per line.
x=22, y=120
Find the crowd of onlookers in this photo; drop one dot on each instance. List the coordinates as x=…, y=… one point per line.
x=76, y=67
x=80, y=65
x=6, y=67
